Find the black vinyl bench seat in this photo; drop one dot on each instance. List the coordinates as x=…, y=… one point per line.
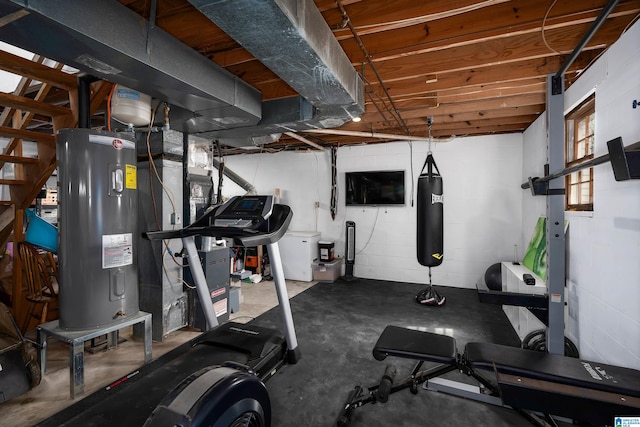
x=414, y=344
x=528, y=381
x=555, y=384
x=553, y=368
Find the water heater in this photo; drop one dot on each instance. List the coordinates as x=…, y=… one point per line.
x=98, y=211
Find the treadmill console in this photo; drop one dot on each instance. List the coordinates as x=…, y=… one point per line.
x=244, y=212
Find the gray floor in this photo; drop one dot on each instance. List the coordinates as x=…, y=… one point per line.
x=337, y=325
x=52, y=395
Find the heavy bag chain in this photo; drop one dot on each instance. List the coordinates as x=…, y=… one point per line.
x=429, y=124
x=429, y=160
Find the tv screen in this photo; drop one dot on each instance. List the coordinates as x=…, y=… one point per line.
x=374, y=188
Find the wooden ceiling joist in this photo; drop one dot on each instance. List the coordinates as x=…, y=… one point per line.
x=467, y=107
x=508, y=50
x=479, y=77
x=470, y=64
x=490, y=23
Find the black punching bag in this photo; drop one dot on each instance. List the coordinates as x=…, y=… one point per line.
x=429, y=228
x=430, y=212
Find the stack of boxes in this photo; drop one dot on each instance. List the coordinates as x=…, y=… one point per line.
x=327, y=268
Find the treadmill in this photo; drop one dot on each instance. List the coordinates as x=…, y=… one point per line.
x=215, y=379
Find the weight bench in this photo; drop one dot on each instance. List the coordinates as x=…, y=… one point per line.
x=525, y=380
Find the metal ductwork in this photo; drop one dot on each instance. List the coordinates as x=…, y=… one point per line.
x=294, y=41
x=107, y=40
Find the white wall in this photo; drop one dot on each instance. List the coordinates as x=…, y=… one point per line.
x=603, y=247
x=482, y=204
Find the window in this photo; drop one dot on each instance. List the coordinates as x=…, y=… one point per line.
x=580, y=128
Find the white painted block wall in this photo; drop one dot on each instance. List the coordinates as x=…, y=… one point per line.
x=482, y=208
x=486, y=212
x=603, y=247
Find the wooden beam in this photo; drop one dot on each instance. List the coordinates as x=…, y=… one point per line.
x=499, y=113
x=28, y=118
x=472, y=93
x=18, y=159
x=12, y=182
x=230, y=57
x=21, y=88
x=468, y=131
x=28, y=135
x=507, y=51
x=35, y=71
x=488, y=21
x=28, y=104
x=187, y=24
x=465, y=107
x=476, y=77
x=18, y=300
x=195, y=30
x=523, y=121
x=401, y=14
x=531, y=112
x=7, y=216
x=324, y=5
x=99, y=92
x=498, y=21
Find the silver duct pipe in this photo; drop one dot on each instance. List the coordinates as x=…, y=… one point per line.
x=294, y=41
x=109, y=41
x=246, y=185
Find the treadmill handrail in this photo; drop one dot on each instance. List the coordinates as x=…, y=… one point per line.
x=270, y=231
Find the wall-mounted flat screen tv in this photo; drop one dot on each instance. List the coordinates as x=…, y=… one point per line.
x=374, y=188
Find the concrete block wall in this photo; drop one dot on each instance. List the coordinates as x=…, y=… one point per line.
x=483, y=204
x=603, y=246
x=481, y=209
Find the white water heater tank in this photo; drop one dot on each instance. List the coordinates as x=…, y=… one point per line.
x=129, y=106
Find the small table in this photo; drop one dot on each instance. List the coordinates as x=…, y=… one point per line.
x=76, y=339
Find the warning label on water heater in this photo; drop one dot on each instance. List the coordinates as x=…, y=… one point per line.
x=117, y=250
x=131, y=177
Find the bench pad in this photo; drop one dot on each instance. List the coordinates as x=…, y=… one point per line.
x=553, y=368
x=414, y=344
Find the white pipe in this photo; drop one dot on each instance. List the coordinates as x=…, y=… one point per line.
x=376, y=135
x=305, y=140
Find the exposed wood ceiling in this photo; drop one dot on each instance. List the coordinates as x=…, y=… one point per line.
x=475, y=67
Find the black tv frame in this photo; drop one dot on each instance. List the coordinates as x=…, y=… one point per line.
x=374, y=181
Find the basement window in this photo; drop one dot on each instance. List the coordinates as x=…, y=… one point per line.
x=580, y=137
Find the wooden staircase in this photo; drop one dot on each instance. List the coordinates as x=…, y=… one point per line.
x=33, y=117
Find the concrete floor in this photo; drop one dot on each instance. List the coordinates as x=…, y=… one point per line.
x=102, y=368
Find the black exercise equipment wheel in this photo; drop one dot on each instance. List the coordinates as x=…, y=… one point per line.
x=219, y=396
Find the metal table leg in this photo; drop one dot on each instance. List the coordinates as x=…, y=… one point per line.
x=147, y=339
x=76, y=340
x=76, y=371
x=42, y=350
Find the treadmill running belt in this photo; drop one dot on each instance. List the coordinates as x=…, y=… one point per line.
x=131, y=399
